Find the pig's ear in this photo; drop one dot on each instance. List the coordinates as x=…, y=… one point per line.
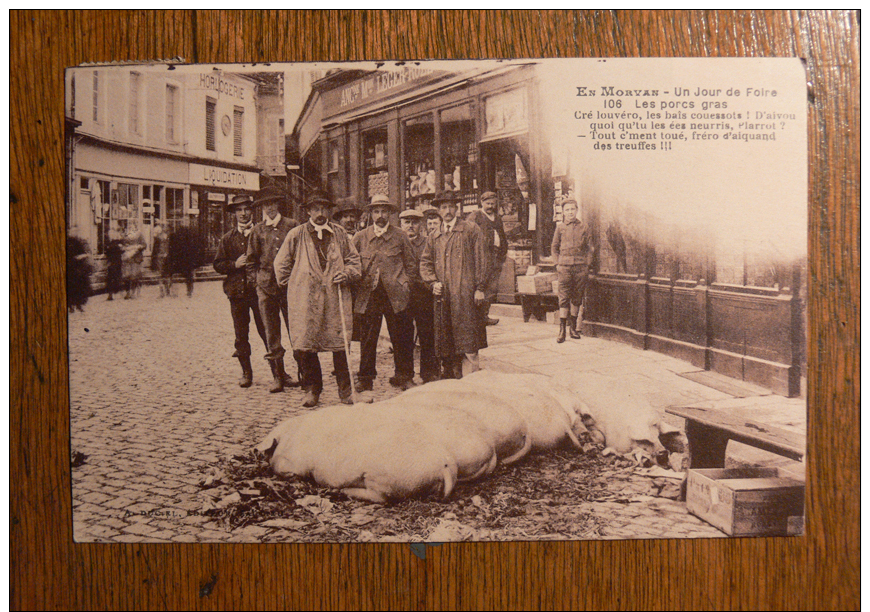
x=667, y=428
x=268, y=449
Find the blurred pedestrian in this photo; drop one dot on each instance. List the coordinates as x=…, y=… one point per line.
x=454, y=265
x=263, y=244
x=114, y=261
x=421, y=305
x=186, y=254
x=389, y=267
x=134, y=249
x=78, y=273
x=491, y=225
x=316, y=258
x=159, y=260
x=572, y=248
x=231, y=258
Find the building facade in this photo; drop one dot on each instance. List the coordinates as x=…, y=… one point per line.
x=157, y=144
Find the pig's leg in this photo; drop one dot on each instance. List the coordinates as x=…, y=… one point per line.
x=448, y=482
x=527, y=445
x=572, y=437
x=485, y=469
x=365, y=495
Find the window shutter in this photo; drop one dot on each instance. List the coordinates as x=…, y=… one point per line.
x=238, y=114
x=209, y=124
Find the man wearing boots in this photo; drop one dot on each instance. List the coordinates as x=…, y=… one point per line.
x=420, y=307
x=572, y=249
x=454, y=266
x=389, y=267
x=494, y=238
x=263, y=244
x=317, y=263
x=230, y=260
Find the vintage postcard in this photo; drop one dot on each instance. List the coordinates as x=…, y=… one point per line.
x=437, y=301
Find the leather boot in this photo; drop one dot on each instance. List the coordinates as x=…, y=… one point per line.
x=247, y=378
x=311, y=399
x=561, y=338
x=489, y=320
x=285, y=377
x=278, y=384
x=345, y=393
x=572, y=329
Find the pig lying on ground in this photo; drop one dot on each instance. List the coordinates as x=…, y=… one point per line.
x=622, y=412
x=549, y=411
x=376, y=460
x=503, y=426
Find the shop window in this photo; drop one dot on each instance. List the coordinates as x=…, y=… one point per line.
x=375, y=164
x=101, y=197
x=421, y=184
x=238, y=115
x=209, y=124
x=334, y=170
x=459, y=154
x=174, y=208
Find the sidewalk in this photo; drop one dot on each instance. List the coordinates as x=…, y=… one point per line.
x=155, y=403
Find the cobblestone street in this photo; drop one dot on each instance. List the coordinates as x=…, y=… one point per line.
x=155, y=402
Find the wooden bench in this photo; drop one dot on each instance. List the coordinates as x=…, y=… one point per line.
x=708, y=432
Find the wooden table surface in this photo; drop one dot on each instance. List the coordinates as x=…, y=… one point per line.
x=820, y=570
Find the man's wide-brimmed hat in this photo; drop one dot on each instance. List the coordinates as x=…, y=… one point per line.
x=381, y=200
x=318, y=197
x=270, y=194
x=446, y=197
x=239, y=200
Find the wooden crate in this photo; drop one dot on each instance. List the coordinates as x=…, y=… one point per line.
x=534, y=285
x=747, y=501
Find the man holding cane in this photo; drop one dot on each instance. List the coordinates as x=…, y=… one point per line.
x=454, y=265
x=316, y=259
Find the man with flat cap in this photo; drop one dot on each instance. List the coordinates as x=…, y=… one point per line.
x=420, y=306
x=389, y=268
x=490, y=223
x=263, y=244
x=230, y=260
x=454, y=265
x=315, y=259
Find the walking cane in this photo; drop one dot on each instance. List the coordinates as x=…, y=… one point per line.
x=346, y=345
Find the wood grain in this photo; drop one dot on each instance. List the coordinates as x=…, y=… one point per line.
x=820, y=570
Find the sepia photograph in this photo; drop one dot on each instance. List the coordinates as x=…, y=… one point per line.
x=437, y=301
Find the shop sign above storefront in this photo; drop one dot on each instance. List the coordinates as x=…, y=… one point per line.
x=224, y=177
x=375, y=87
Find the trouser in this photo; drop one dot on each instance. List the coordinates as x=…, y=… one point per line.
x=400, y=326
x=271, y=309
x=457, y=366
x=490, y=292
x=572, y=284
x=423, y=316
x=241, y=308
x=310, y=374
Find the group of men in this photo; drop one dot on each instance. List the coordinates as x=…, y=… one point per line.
x=434, y=281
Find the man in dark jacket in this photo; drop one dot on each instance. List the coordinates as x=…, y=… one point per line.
x=231, y=257
x=389, y=266
x=263, y=244
x=496, y=246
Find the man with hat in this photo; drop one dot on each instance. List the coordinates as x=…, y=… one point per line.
x=263, y=244
x=389, y=268
x=230, y=260
x=455, y=267
x=348, y=217
x=420, y=306
x=490, y=223
x=316, y=259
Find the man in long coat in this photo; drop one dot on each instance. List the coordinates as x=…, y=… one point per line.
x=316, y=259
x=490, y=223
x=421, y=307
x=263, y=244
x=389, y=266
x=230, y=260
x=454, y=265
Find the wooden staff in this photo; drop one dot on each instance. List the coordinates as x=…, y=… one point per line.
x=346, y=345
